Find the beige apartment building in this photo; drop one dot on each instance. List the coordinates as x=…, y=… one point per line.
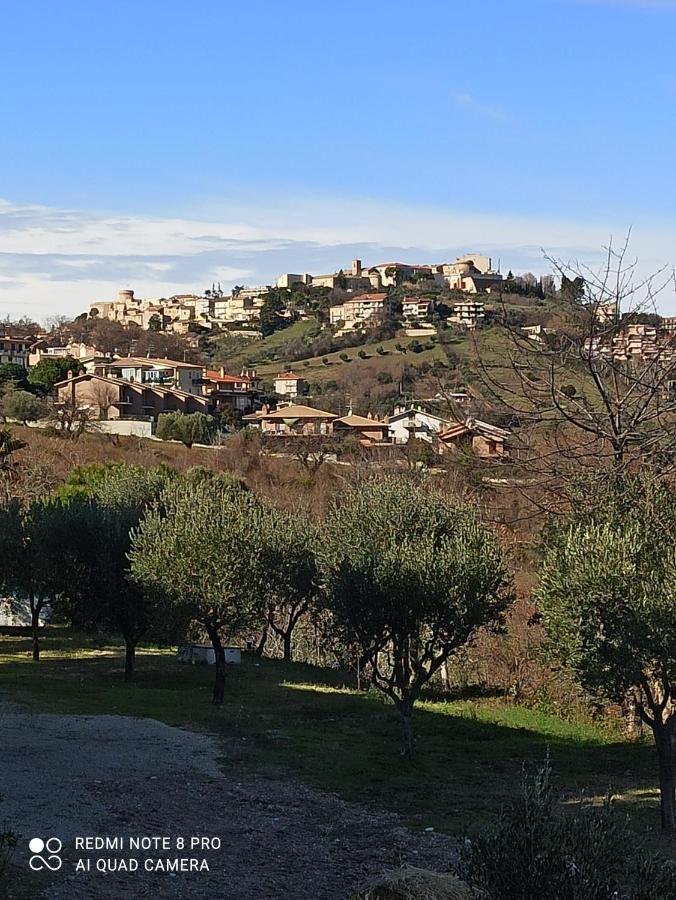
x=366, y=309
x=186, y=377
x=242, y=306
x=114, y=398
x=14, y=350
x=416, y=307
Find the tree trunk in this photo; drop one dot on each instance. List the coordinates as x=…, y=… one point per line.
x=35, y=634
x=406, y=721
x=286, y=637
x=260, y=649
x=35, y=628
x=665, y=758
x=129, y=659
x=219, y=653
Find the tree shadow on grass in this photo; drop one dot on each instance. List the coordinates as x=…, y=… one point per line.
x=308, y=723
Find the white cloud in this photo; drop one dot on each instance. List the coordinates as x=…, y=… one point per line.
x=61, y=260
x=467, y=101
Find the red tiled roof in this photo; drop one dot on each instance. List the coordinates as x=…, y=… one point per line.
x=227, y=379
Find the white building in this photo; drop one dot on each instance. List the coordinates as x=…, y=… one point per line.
x=469, y=314
x=290, y=385
x=413, y=422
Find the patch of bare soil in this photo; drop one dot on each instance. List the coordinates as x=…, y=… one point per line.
x=122, y=778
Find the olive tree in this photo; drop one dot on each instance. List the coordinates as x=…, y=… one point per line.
x=98, y=512
x=188, y=428
x=197, y=546
x=608, y=601
x=287, y=571
x=410, y=576
x=23, y=406
x=34, y=543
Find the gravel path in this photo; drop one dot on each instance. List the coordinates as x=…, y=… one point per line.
x=119, y=777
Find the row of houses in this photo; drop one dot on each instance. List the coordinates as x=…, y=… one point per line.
x=405, y=424
x=143, y=388
x=637, y=342
x=367, y=309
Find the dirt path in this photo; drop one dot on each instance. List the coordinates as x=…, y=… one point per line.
x=118, y=777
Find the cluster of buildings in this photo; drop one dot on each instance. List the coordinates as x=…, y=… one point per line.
x=180, y=314
x=175, y=314
x=638, y=342
x=142, y=388
x=472, y=274
x=132, y=392
x=406, y=423
x=364, y=310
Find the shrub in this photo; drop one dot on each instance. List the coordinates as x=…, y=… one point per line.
x=415, y=346
x=306, y=363
x=399, y=347
x=24, y=406
x=193, y=428
x=325, y=360
x=381, y=351
x=384, y=378
x=363, y=354
x=535, y=851
x=410, y=883
x=345, y=358
x=13, y=372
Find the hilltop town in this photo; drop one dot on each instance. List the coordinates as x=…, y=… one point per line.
x=388, y=355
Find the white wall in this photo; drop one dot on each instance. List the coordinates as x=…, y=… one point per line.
x=136, y=427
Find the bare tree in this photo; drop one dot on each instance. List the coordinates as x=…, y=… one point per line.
x=104, y=395
x=596, y=393
x=71, y=419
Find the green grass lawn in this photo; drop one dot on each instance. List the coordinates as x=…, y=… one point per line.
x=232, y=351
x=318, y=370
x=308, y=722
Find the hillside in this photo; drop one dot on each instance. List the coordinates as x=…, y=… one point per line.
x=372, y=371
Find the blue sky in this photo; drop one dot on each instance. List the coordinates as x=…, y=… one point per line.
x=166, y=145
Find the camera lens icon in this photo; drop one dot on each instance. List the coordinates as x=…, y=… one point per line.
x=51, y=848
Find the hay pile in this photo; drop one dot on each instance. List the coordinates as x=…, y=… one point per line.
x=409, y=883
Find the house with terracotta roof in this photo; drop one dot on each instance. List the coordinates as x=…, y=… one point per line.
x=486, y=440
x=292, y=421
x=107, y=398
x=368, y=430
x=236, y=392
